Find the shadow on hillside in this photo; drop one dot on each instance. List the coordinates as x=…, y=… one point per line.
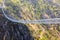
x=13, y=31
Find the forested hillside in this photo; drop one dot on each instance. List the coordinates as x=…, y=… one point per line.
x=35, y=10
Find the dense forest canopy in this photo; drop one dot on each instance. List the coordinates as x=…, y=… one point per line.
x=31, y=10
x=36, y=10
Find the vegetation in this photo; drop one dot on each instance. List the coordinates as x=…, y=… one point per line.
x=36, y=10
